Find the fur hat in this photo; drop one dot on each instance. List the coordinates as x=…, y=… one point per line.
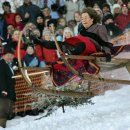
x=115, y=6
x=67, y=29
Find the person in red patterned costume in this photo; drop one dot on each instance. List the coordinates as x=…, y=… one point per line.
x=85, y=45
x=77, y=45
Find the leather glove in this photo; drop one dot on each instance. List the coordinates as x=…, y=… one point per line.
x=108, y=57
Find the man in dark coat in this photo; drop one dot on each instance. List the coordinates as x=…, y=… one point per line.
x=7, y=84
x=28, y=11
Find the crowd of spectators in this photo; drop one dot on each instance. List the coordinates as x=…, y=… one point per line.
x=36, y=20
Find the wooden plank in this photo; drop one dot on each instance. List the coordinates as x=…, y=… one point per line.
x=105, y=80
x=30, y=74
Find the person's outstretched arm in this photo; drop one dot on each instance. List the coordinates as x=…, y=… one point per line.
x=65, y=47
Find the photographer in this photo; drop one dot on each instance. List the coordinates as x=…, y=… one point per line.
x=30, y=59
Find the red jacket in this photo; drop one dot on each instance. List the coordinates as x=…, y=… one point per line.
x=90, y=47
x=50, y=55
x=10, y=18
x=22, y=51
x=19, y=26
x=39, y=53
x=122, y=21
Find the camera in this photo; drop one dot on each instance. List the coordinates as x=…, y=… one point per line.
x=28, y=37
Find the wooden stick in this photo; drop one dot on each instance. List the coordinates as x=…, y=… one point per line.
x=92, y=78
x=31, y=74
x=100, y=59
x=64, y=93
x=38, y=68
x=85, y=76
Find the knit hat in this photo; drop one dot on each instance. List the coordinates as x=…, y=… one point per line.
x=67, y=29
x=46, y=31
x=115, y=6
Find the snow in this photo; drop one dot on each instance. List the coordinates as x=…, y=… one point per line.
x=110, y=111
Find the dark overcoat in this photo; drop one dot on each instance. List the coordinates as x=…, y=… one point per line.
x=7, y=83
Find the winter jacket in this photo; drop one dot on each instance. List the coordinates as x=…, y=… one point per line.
x=32, y=61
x=122, y=21
x=10, y=18
x=98, y=34
x=7, y=83
x=14, y=44
x=113, y=30
x=32, y=9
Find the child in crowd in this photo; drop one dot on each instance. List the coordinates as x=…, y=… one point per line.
x=68, y=33
x=49, y=55
x=47, y=35
x=30, y=59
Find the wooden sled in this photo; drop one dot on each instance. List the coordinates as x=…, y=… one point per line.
x=37, y=81
x=104, y=66
x=26, y=95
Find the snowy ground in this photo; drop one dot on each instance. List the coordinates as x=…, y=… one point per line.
x=109, y=112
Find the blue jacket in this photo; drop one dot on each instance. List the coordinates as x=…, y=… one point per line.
x=3, y=27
